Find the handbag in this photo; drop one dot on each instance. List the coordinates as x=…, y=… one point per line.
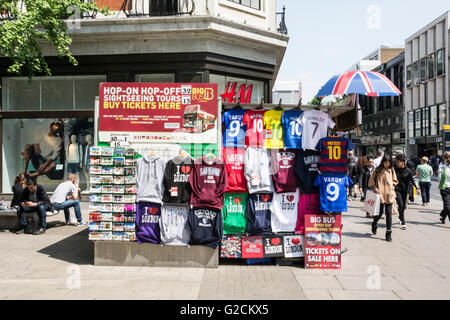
x=372, y=203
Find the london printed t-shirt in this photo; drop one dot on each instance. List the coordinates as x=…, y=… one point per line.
x=273, y=138
x=333, y=154
x=292, y=129
x=254, y=122
x=176, y=176
x=315, y=125
x=258, y=213
x=233, y=130
x=284, y=210
x=233, y=212
x=234, y=163
x=173, y=225
x=205, y=226
x=307, y=169
x=283, y=166
x=147, y=222
x=333, y=192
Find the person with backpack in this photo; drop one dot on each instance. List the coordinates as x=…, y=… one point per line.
x=34, y=198
x=383, y=181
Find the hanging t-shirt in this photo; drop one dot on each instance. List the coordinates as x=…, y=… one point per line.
x=254, y=122
x=283, y=166
x=333, y=192
x=173, y=225
x=315, y=125
x=258, y=213
x=147, y=222
x=333, y=154
x=234, y=163
x=273, y=138
x=292, y=129
x=176, y=176
x=307, y=169
x=307, y=204
x=233, y=130
x=233, y=212
x=284, y=210
x=205, y=226
x=257, y=170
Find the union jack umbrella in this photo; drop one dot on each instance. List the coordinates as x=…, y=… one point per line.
x=369, y=83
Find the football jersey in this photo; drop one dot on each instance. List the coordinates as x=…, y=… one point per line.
x=233, y=213
x=333, y=192
x=333, y=154
x=284, y=210
x=234, y=164
x=292, y=129
x=233, y=130
x=254, y=122
x=315, y=125
x=273, y=137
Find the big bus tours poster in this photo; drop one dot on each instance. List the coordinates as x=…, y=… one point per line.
x=158, y=112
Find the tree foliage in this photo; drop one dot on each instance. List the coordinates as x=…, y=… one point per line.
x=30, y=23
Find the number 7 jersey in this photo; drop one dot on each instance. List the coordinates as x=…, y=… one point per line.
x=333, y=192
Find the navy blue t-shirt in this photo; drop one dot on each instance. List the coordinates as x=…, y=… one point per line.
x=258, y=213
x=205, y=226
x=307, y=169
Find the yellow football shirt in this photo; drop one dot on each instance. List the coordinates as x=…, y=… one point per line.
x=273, y=138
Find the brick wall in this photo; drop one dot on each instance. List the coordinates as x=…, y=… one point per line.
x=114, y=5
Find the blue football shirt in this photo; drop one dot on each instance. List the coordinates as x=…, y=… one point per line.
x=333, y=192
x=233, y=131
x=292, y=129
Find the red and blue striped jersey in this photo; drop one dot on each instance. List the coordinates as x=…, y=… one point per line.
x=333, y=154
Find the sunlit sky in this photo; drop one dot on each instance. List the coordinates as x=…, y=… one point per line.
x=327, y=36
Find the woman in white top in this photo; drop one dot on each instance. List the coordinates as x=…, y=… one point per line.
x=444, y=186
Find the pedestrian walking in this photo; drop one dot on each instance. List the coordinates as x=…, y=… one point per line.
x=364, y=177
x=425, y=172
x=405, y=177
x=352, y=172
x=383, y=181
x=444, y=186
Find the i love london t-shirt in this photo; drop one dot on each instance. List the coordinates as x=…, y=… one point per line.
x=284, y=210
x=258, y=213
x=147, y=222
x=233, y=212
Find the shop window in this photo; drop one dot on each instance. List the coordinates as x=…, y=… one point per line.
x=225, y=86
x=417, y=123
x=431, y=66
x=255, y=4
x=67, y=145
x=433, y=121
x=410, y=124
x=423, y=70
x=156, y=78
x=440, y=63
x=426, y=121
x=50, y=93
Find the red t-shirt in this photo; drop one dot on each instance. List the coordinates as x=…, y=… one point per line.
x=234, y=163
x=254, y=120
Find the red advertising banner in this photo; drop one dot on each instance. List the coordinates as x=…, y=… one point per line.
x=322, y=241
x=158, y=112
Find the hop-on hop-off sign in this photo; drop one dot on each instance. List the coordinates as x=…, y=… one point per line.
x=158, y=112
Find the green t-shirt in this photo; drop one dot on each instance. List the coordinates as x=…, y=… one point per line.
x=425, y=172
x=233, y=212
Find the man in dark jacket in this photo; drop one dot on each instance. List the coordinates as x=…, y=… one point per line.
x=34, y=198
x=364, y=176
x=405, y=177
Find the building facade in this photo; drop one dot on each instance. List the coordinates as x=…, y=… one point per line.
x=426, y=93
x=288, y=92
x=236, y=44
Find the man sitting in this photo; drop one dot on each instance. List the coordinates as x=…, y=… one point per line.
x=34, y=198
x=60, y=199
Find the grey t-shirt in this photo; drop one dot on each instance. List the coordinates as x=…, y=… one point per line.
x=62, y=191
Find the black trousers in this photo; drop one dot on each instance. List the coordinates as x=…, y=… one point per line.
x=401, y=203
x=445, y=194
x=386, y=209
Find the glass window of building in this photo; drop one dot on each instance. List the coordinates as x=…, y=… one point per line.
x=225, y=85
x=423, y=70
x=375, y=105
x=417, y=123
x=433, y=121
x=411, y=124
x=155, y=78
x=442, y=109
x=426, y=121
x=431, y=66
x=409, y=76
x=50, y=93
x=440, y=63
x=255, y=4
x=381, y=123
x=416, y=75
x=389, y=121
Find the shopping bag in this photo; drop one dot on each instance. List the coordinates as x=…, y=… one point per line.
x=372, y=203
x=414, y=191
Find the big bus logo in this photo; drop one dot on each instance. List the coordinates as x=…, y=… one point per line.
x=245, y=95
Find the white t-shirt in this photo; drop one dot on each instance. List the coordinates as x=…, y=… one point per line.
x=50, y=146
x=62, y=191
x=315, y=126
x=284, y=209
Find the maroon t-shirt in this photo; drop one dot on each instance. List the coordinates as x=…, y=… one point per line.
x=283, y=166
x=208, y=181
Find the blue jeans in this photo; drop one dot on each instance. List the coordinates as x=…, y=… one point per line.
x=68, y=204
x=42, y=210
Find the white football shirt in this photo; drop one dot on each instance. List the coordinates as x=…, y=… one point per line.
x=315, y=126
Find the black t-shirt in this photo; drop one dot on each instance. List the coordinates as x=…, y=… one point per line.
x=258, y=213
x=176, y=177
x=307, y=169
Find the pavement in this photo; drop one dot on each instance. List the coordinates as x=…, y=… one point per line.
x=415, y=265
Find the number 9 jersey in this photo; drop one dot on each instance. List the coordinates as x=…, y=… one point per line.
x=333, y=192
x=233, y=131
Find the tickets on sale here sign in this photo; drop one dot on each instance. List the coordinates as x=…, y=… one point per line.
x=322, y=241
x=158, y=112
